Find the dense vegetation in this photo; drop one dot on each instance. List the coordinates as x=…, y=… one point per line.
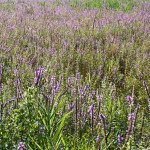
x=74, y=74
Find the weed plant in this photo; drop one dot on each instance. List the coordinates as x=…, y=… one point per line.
x=74, y=74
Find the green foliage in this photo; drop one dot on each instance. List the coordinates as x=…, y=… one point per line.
x=125, y=5
x=113, y=4
x=53, y=127
x=34, y=119
x=42, y=3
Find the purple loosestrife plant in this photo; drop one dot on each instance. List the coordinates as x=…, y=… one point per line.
x=58, y=85
x=112, y=98
x=73, y=91
x=38, y=76
x=120, y=139
x=19, y=81
x=81, y=92
x=0, y=72
x=16, y=72
x=18, y=84
x=146, y=88
x=21, y=146
x=87, y=88
x=69, y=82
x=140, y=75
x=115, y=70
x=91, y=110
x=76, y=103
x=60, y=80
x=99, y=98
x=53, y=80
x=99, y=103
x=1, y=87
x=35, y=35
x=149, y=104
x=53, y=95
x=131, y=118
x=77, y=78
x=81, y=99
x=129, y=98
x=142, y=125
x=98, y=142
x=92, y=94
x=70, y=107
x=97, y=139
x=102, y=117
x=101, y=71
x=47, y=99
x=144, y=84
x=136, y=116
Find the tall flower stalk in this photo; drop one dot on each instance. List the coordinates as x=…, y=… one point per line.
x=99, y=103
x=91, y=110
x=102, y=117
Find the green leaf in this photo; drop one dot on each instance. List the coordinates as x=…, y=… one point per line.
x=62, y=139
x=93, y=145
x=30, y=147
x=61, y=125
x=109, y=106
x=36, y=143
x=43, y=120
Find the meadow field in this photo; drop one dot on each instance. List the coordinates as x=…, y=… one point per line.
x=74, y=74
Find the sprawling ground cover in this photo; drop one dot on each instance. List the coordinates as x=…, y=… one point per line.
x=74, y=75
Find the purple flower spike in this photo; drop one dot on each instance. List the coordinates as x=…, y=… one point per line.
x=99, y=98
x=91, y=109
x=53, y=80
x=20, y=145
x=48, y=98
x=140, y=74
x=112, y=98
x=73, y=91
x=97, y=139
x=60, y=81
x=120, y=139
x=115, y=70
x=93, y=93
x=129, y=98
x=38, y=76
x=1, y=85
x=131, y=116
x=81, y=92
x=149, y=103
x=101, y=71
x=77, y=76
x=69, y=82
x=146, y=88
x=144, y=83
x=102, y=117
x=87, y=87
x=16, y=73
x=0, y=70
